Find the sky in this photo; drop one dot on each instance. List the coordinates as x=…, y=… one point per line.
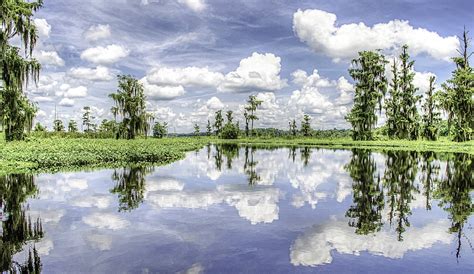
x=195, y=57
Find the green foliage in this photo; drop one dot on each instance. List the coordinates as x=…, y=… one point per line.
x=457, y=96
x=369, y=73
x=306, y=126
x=230, y=131
x=160, y=130
x=431, y=117
x=39, y=127
x=16, y=111
x=58, y=153
x=131, y=107
x=402, y=114
x=109, y=128
x=58, y=125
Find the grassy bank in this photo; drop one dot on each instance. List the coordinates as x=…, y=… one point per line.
x=54, y=154
x=443, y=145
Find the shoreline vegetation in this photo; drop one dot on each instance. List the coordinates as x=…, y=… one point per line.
x=56, y=154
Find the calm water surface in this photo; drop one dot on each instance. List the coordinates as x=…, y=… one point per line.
x=228, y=209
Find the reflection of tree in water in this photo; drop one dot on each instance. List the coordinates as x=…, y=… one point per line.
x=292, y=154
x=130, y=185
x=218, y=158
x=305, y=155
x=250, y=166
x=430, y=172
x=230, y=151
x=18, y=229
x=365, y=215
x=399, y=181
x=453, y=193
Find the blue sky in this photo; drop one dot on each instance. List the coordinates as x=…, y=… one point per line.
x=197, y=56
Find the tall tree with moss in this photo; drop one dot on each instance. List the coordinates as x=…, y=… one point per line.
x=130, y=105
x=218, y=122
x=368, y=70
x=306, y=126
x=17, y=66
x=252, y=105
x=457, y=95
x=408, y=118
x=431, y=116
x=392, y=103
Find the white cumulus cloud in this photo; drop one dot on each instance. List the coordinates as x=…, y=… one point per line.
x=100, y=73
x=257, y=72
x=49, y=58
x=319, y=30
x=43, y=27
x=97, y=32
x=105, y=55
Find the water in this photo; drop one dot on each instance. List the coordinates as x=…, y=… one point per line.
x=228, y=209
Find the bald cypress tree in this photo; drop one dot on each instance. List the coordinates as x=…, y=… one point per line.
x=457, y=95
x=368, y=70
x=408, y=119
x=431, y=117
x=130, y=105
x=403, y=120
x=17, y=67
x=392, y=104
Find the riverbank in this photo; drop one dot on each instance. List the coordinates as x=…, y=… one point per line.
x=55, y=154
x=443, y=145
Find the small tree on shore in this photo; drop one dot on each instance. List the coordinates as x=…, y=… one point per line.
x=39, y=127
x=72, y=126
x=197, y=130
x=160, y=130
x=251, y=108
x=58, y=126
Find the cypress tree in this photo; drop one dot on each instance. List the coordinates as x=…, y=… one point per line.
x=368, y=70
x=431, y=118
x=16, y=111
x=408, y=119
x=457, y=95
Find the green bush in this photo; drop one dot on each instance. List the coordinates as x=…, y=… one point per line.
x=230, y=131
